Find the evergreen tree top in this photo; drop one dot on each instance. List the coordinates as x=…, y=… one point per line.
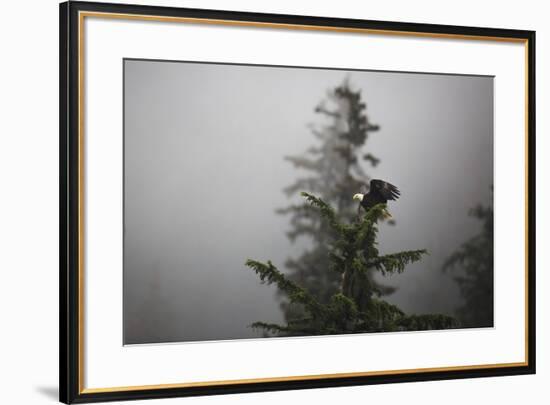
x=356, y=307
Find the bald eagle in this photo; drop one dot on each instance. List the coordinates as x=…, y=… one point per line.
x=380, y=192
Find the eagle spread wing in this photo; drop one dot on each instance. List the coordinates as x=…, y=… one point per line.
x=385, y=190
x=380, y=192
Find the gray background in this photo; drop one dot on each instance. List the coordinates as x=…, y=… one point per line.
x=204, y=173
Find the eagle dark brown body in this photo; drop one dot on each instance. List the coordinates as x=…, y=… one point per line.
x=380, y=192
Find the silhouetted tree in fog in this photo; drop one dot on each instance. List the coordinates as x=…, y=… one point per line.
x=335, y=167
x=472, y=264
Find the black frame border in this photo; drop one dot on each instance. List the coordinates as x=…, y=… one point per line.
x=69, y=364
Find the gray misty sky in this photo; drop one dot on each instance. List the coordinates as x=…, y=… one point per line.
x=204, y=171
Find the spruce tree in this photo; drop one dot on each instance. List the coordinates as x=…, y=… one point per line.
x=336, y=172
x=473, y=265
x=355, y=306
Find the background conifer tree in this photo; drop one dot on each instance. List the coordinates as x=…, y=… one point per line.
x=335, y=174
x=473, y=265
x=352, y=254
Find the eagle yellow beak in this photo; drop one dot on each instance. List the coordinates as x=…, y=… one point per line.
x=358, y=196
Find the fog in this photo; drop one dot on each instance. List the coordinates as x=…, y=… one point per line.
x=204, y=172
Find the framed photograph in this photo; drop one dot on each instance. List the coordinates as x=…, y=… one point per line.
x=255, y=202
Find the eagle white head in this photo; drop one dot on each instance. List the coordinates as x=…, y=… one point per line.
x=358, y=196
